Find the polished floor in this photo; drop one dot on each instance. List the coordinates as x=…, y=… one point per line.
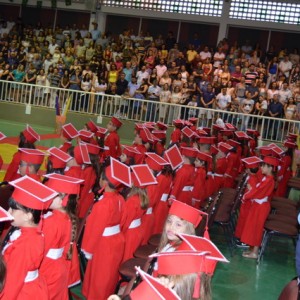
x=241, y=279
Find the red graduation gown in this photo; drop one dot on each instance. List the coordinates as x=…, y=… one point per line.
x=65, y=146
x=252, y=180
x=140, y=158
x=57, y=231
x=199, y=193
x=101, y=275
x=258, y=213
x=218, y=176
x=183, y=183
x=159, y=149
x=112, y=141
x=232, y=170
x=161, y=209
x=283, y=175
x=148, y=217
x=12, y=170
x=175, y=136
x=21, y=256
x=132, y=211
x=86, y=196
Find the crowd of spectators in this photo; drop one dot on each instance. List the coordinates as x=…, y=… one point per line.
x=239, y=78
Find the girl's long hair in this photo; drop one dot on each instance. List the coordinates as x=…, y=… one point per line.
x=142, y=193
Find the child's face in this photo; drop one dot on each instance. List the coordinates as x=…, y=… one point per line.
x=111, y=127
x=174, y=226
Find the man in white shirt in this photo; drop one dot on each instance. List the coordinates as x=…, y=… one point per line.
x=219, y=58
x=285, y=67
x=142, y=74
x=153, y=95
x=205, y=54
x=284, y=94
x=52, y=46
x=223, y=100
x=161, y=68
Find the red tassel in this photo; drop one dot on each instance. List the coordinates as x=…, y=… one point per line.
x=40, y=226
x=206, y=234
x=196, y=293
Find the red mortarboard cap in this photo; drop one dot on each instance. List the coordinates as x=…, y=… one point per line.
x=150, y=125
x=155, y=162
x=81, y=154
x=178, y=123
x=217, y=127
x=151, y=289
x=276, y=150
x=292, y=136
x=193, y=120
x=265, y=150
x=159, y=134
x=197, y=243
x=224, y=147
x=30, y=134
x=204, y=156
x=101, y=132
x=32, y=156
x=227, y=132
x=206, y=129
x=5, y=215
x=85, y=135
x=186, y=212
x=289, y=144
x=173, y=155
x=31, y=193
x=214, y=150
x=69, y=131
x=64, y=184
x=154, y=138
x=139, y=126
x=252, y=162
x=2, y=136
x=146, y=135
x=270, y=160
x=241, y=135
x=180, y=262
x=93, y=149
x=118, y=173
x=209, y=140
x=58, y=158
x=188, y=151
x=116, y=122
x=142, y=176
x=201, y=132
x=230, y=126
x=187, y=132
x=130, y=151
x=188, y=123
x=252, y=132
x=162, y=126
x=233, y=143
x=92, y=126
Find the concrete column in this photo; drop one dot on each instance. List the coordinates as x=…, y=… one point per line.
x=100, y=18
x=224, y=21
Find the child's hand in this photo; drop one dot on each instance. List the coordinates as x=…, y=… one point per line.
x=114, y=297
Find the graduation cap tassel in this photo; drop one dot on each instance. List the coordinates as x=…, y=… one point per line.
x=196, y=293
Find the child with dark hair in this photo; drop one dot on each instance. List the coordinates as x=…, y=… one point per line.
x=24, y=251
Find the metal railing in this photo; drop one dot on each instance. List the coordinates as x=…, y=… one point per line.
x=140, y=110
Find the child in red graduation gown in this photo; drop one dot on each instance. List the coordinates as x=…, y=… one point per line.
x=103, y=242
x=24, y=251
x=199, y=191
x=184, y=177
x=2, y=136
x=260, y=196
x=160, y=193
x=137, y=202
x=74, y=168
x=112, y=140
x=30, y=162
x=285, y=172
x=68, y=132
x=59, y=228
x=27, y=139
x=252, y=165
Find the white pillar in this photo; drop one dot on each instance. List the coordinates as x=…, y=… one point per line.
x=224, y=21
x=100, y=18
